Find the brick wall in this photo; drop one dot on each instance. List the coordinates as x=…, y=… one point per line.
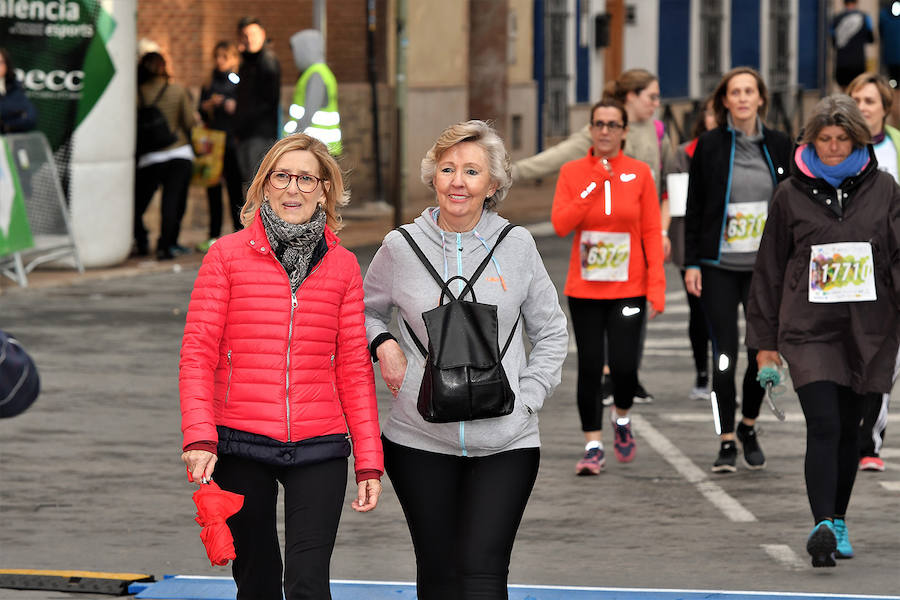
x=187, y=31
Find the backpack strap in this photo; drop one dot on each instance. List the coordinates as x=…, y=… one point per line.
x=159, y=95
x=445, y=289
x=425, y=262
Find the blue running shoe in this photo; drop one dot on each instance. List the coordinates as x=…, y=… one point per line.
x=821, y=544
x=844, y=549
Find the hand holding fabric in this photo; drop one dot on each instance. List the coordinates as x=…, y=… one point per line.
x=200, y=465
x=214, y=505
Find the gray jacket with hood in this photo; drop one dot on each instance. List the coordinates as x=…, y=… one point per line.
x=516, y=280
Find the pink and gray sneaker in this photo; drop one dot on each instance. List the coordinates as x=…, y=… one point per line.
x=623, y=444
x=592, y=463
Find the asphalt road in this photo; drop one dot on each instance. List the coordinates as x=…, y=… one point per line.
x=91, y=479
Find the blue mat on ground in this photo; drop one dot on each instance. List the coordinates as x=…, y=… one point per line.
x=180, y=587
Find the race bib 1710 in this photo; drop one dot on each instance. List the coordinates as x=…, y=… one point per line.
x=744, y=226
x=841, y=272
x=605, y=255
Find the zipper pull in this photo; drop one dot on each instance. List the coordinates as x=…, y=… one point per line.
x=293, y=301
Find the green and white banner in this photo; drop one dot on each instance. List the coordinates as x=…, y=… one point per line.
x=15, y=235
x=76, y=61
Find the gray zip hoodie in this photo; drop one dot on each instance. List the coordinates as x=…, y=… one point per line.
x=516, y=280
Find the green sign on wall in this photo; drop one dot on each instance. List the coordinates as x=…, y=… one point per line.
x=15, y=234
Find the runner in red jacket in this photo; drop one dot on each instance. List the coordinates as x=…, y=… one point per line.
x=616, y=266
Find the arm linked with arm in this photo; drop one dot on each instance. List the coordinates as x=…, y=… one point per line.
x=355, y=381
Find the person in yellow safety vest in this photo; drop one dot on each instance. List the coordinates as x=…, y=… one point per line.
x=314, y=110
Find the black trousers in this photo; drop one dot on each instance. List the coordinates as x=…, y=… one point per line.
x=463, y=514
x=832, y=453
x=231, y=173
x=174, y=176
x=619, y=321
x=723, y=291
x=313, y=498
x=698, y=331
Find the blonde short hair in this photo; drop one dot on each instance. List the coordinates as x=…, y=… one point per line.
x=485, y=136
x=336, y=196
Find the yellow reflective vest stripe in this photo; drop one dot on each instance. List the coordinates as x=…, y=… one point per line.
x=325, y=124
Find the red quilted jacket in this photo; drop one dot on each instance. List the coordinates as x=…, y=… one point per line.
x=256, y=359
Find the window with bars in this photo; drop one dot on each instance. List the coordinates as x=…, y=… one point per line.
x=711, y=23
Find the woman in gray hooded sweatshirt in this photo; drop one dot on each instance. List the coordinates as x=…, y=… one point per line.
x=464, y=485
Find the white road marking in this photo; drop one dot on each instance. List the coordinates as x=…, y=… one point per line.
x=891, y=486
x=889, y=452
x=795, y=416
x=783, y=555
x=729, y=506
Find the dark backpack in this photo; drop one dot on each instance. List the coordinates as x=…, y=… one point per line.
x=19, y=379
x=464, y=379
x=153, y=131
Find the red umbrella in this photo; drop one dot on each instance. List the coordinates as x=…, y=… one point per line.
x=214, y=505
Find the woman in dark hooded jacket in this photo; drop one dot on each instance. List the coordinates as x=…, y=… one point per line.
x=825, y=296
x=17, y=113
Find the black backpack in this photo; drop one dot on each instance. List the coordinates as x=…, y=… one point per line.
x=464, y=379
x=153, y=131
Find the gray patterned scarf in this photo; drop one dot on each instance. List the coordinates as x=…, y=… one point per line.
x=293, y=245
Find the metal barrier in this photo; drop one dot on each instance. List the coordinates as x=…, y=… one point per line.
x=45, y=206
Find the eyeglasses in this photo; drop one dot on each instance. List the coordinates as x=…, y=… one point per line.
x=611, y=125
x=305, y=182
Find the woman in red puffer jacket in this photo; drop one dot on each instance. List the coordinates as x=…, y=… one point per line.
x=275, y=376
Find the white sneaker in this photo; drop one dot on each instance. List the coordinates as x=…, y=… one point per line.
x=699, y=393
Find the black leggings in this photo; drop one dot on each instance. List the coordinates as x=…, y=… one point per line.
x=832, y=453
x=463, y=514
x=592, y=320
x=722, y=292
x=231, y=173
x=313, y=498
x=698, y=331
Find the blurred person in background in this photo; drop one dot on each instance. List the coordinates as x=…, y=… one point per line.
x=258, y=96
x=17, y=113
x=850, y=31
x=217, y=106
x=733, y=173
x=647, y=141
x=697, y=327
x=825, y=297
x=874, y=97
x=170, y=167
x=314, y=109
